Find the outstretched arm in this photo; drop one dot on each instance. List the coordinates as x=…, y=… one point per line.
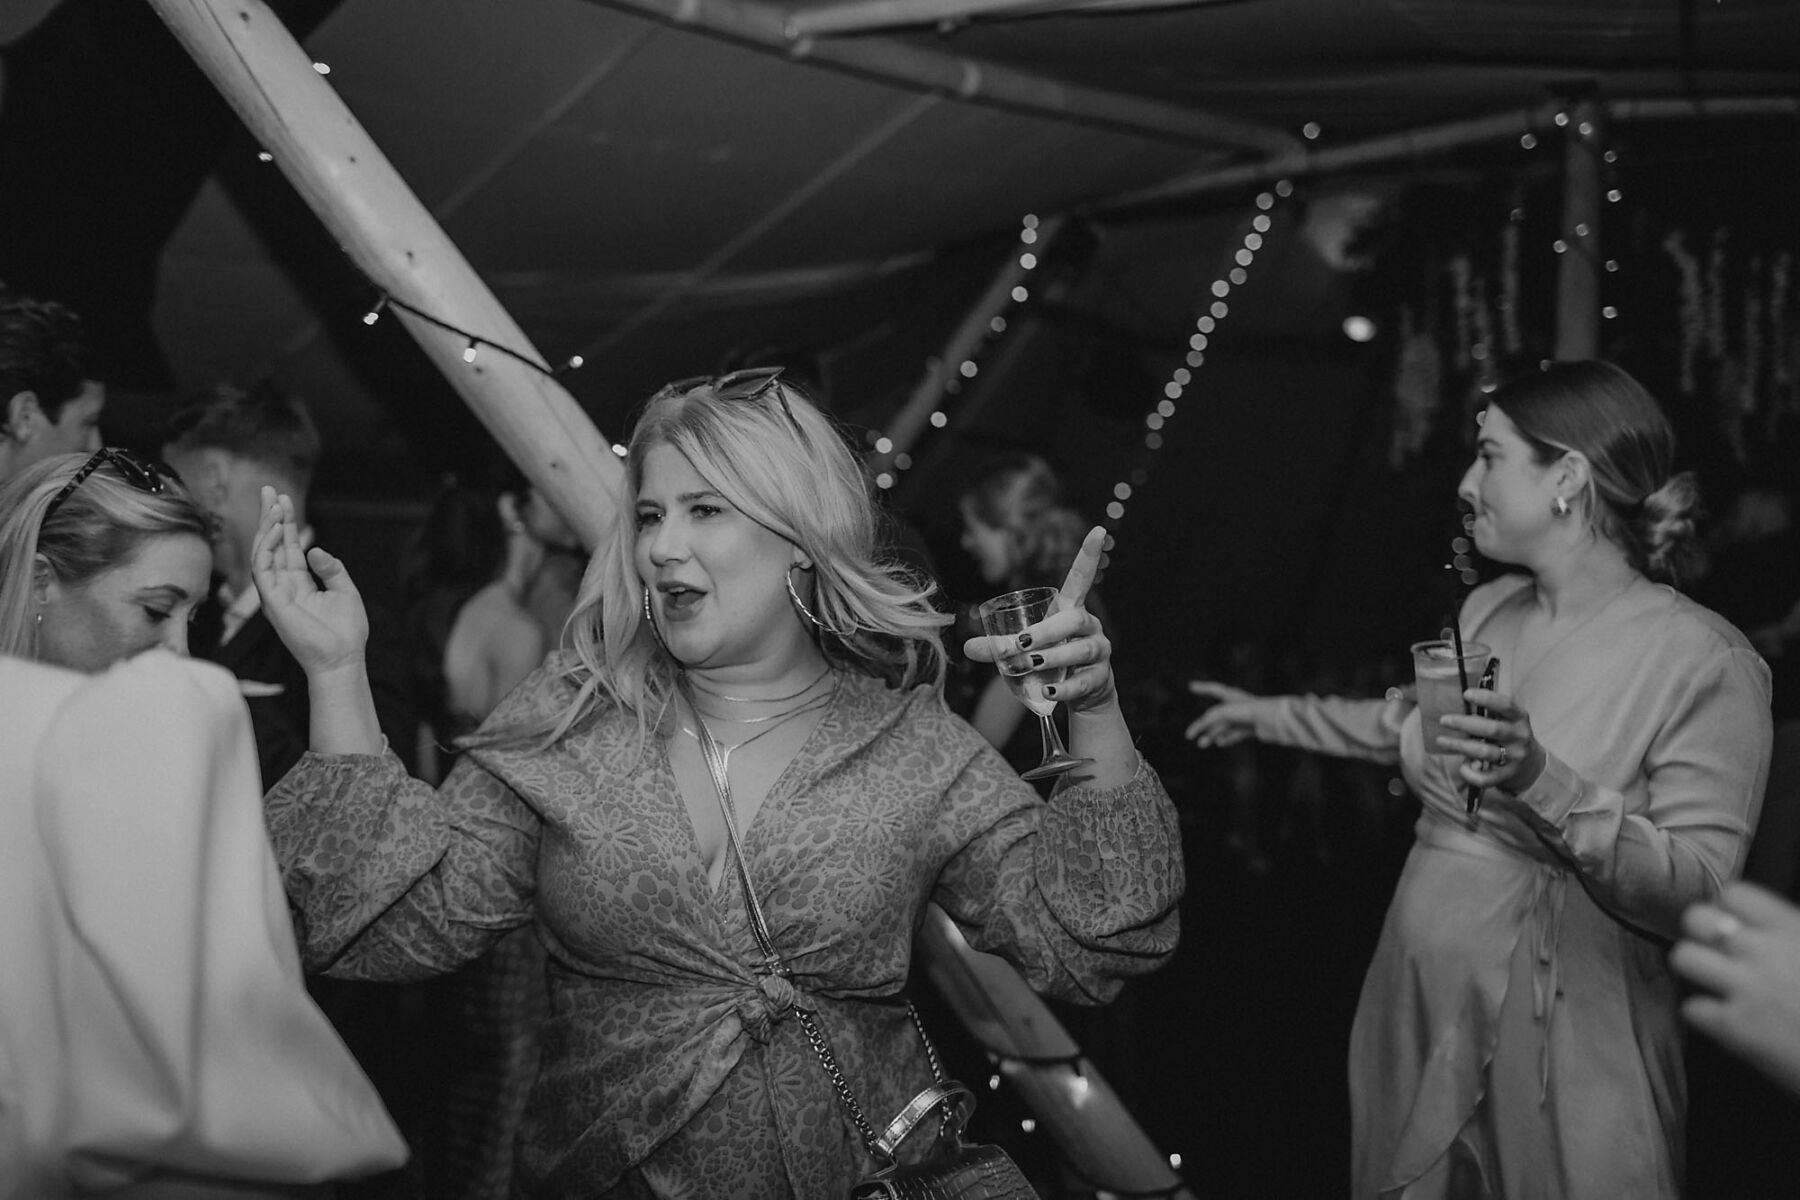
x=325, y=628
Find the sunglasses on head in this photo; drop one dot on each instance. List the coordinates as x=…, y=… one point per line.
x=749, y=384
x=145, y=476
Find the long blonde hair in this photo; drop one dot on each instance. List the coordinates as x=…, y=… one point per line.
x=788, y=467
x=100, y=525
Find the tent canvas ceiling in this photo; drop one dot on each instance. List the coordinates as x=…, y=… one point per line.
x=652, y=195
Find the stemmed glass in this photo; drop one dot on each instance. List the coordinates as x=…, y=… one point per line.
x=1005, y=617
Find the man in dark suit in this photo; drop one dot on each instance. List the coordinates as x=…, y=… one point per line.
x=226, y=447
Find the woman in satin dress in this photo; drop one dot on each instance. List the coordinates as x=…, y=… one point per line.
x=1517, y=1034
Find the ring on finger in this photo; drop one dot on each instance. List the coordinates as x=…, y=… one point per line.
x=1501, y=760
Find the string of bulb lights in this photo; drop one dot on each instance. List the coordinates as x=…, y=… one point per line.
x=970, y=367
x=1206, y=327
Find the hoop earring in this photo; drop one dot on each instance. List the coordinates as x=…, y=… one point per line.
x=807, y=613
x=1559, y=507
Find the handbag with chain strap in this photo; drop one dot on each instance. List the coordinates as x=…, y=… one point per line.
x=953, y=1169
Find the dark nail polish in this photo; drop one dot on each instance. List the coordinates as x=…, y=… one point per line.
x=1049, y=689
x=1024, y=641
x=1037, y=660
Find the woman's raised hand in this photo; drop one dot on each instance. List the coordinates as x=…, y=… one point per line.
x=322, y=627
x=1070, y=637
x=1742, y=951
x=1498, y=747
x=1230, y=720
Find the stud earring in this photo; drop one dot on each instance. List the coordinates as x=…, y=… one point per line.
x=1559, y=507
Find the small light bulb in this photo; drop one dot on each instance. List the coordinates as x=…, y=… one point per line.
x=322, y=68
x=469, y=352
x=576, y=362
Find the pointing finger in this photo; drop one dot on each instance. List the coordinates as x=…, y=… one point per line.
x=1081, y=572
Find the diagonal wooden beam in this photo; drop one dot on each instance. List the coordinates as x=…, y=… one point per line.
x=380, y=224
x=1428, y=140
x=866, y=16
x=965, y=79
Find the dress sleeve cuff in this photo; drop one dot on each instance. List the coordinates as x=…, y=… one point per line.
x=1554, y=794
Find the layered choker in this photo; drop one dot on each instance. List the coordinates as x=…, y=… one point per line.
x=772, y=721
x=704, y=690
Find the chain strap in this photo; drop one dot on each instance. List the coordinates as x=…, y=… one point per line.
x=776, y=965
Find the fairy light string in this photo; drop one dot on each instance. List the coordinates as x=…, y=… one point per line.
x=1080, y=1083
x=969, y=368
x=474, y=342
x=1206, y=327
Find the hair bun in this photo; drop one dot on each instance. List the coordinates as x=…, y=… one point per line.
x=1667, y=525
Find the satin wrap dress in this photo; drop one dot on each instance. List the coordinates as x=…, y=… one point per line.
x=1518, y=1015
x=671, y=1065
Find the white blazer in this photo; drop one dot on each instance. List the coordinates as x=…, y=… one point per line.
x=155, y=1036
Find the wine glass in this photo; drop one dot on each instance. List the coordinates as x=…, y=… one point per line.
x=1005, y=617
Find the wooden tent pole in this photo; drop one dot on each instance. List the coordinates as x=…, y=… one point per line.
x=380, y=224
x=1578, y=271
x=1429, y=140
x=1031, y=1050
x=904, y=427
x=964, y=78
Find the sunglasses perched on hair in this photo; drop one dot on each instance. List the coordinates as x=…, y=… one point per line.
x=146, y=476
x=750, y=384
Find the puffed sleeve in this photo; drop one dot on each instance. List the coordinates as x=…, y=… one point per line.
x=391, y=880
x=192, y=1045
x=1704, y=771
x=1079, y=892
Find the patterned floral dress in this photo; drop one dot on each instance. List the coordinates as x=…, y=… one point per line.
x=670, y=1066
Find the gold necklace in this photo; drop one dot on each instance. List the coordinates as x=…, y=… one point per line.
x=701, y=687
x=817, y=702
